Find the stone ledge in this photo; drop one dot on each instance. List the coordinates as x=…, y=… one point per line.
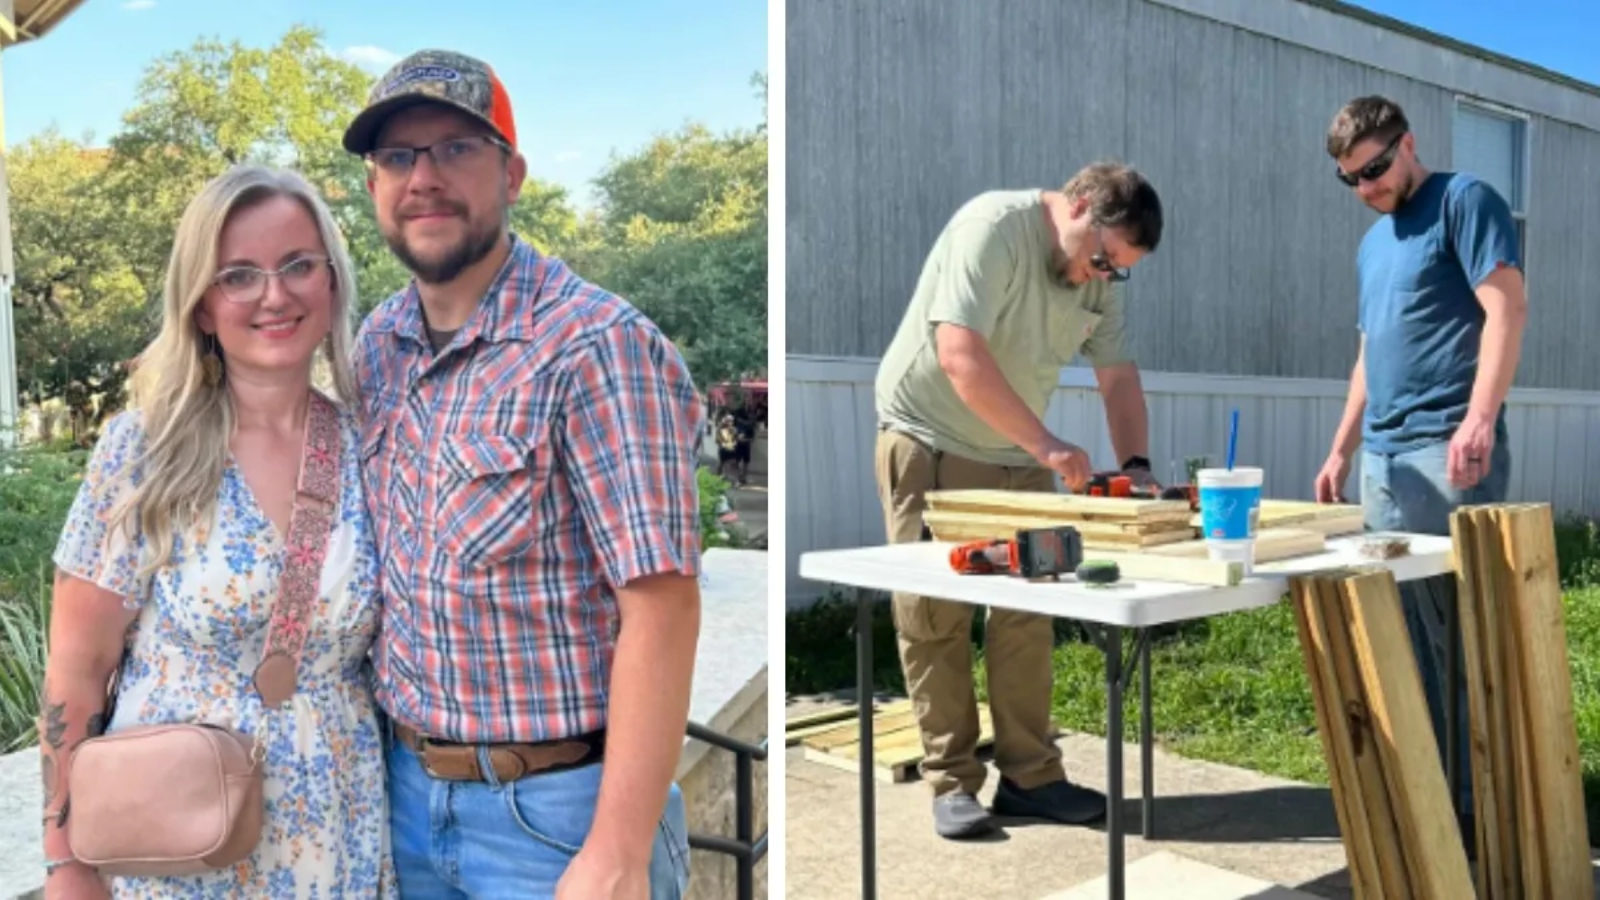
x=730, y=696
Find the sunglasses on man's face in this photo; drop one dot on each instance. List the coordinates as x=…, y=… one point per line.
x=1372, y=171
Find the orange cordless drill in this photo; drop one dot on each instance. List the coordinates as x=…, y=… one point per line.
x=1033, y=553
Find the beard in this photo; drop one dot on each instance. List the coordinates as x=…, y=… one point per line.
x=1392, y=201
x=476, y=244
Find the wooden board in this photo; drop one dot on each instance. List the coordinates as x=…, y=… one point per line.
x=896, y=743
x=1528, y=789
x=1390, y=794
x=1147, y=566
x=959, y=525
x=1430, y=840
x=1070, y=506
x=1331, y=519
x=798, y=728
x=1272, y=544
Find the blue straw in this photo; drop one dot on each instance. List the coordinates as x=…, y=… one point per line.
x=1233, y=437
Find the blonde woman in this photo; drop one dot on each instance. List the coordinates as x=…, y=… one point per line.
x=174, y=547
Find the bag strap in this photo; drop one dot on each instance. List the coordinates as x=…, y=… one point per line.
x=304, y=549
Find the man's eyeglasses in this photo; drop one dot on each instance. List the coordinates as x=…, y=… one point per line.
x=1103, y=263
x=247, y=284
x=450, y=155
x=1373, y=170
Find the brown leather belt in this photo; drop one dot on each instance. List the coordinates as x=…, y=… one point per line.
x=459, y=762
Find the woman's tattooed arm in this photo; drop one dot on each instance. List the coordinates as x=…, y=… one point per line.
x=88, y=628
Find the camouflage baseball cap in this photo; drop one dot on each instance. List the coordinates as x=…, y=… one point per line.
x=434, y=76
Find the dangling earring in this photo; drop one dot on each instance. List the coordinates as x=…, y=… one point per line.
x=211, y=362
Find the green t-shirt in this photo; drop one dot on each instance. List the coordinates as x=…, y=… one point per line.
x=990, y=271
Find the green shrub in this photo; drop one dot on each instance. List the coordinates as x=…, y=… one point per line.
x=37, y=487
x=713, y=489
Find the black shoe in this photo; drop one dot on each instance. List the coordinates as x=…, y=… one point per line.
x=958, y=814
x=1061, y=801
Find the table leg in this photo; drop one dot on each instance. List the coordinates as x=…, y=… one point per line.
x=864, y=694
x=1147, y=765
x=1114, y=837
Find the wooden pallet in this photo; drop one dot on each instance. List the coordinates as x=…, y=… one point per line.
x=1389, y=791
x=1527, y=784
x=896, y=743
x=798, y=728
x=960, y=525
x=1110, y=523
x=1330, y=519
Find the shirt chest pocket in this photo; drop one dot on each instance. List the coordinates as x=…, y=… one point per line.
x=1068, y=330
x=489, y=489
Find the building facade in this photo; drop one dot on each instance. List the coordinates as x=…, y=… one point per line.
x=898, y=111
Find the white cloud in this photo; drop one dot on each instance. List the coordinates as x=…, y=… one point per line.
x=373, y=59
x=139, y=5
x=567, y=156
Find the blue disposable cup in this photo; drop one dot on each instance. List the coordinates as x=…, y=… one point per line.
x=1230, y=503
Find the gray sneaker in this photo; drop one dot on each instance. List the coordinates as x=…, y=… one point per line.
x=1061, y=801
x=958, y=814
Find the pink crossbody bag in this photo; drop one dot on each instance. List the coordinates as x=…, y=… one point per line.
x=183, y=799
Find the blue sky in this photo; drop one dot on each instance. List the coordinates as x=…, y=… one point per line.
x=1556, y=34
x=586, y=79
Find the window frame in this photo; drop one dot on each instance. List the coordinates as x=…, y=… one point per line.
x=1523, y=121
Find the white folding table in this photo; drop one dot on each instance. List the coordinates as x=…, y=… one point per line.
x=1136, y=606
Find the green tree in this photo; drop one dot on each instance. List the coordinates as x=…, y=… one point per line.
x=200, y=110
x=94, y=227
x=79, y=302
x=681, y=232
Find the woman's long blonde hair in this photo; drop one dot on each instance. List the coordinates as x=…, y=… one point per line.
x=187, y=423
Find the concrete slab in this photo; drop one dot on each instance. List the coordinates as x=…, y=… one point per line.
x=1160, y=875
x=1273, y=835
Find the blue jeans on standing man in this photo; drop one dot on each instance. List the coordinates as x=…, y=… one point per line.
x=454, y=840
x=1411, y=492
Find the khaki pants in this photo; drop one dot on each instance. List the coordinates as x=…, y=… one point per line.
x=935, y=637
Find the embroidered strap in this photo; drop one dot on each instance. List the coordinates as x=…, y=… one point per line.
x=304, y=549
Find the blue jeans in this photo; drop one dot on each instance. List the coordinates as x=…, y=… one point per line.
x=1411, y=492
x=455, y=840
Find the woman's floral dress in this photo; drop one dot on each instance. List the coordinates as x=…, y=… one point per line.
x=195, y=644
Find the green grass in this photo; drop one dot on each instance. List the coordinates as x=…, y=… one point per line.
x=1230, y=689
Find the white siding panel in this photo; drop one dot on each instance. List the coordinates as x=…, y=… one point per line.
x=1285, y=427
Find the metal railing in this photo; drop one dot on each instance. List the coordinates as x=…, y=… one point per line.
x=745, y=846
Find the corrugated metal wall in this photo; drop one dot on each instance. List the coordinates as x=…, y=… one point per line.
x=900, y=110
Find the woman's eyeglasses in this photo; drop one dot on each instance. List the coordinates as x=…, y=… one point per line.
x=247, y=284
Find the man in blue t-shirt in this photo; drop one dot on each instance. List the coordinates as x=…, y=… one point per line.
x=1441, y=319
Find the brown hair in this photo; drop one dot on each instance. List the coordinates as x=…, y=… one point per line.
x=1362, y=118
x=1120, y=198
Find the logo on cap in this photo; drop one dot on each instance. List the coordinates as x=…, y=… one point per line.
x=421, y=73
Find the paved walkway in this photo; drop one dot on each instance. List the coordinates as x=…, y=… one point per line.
x=1258, y=830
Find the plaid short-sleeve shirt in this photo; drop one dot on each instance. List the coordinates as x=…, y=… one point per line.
x=515, y=480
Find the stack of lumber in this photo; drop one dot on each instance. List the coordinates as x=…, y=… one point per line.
x=1327, y=519
x=834, y=739
x=1115, y=529
x=1527, y=785
x=1389, y=792
x=1105, y=523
